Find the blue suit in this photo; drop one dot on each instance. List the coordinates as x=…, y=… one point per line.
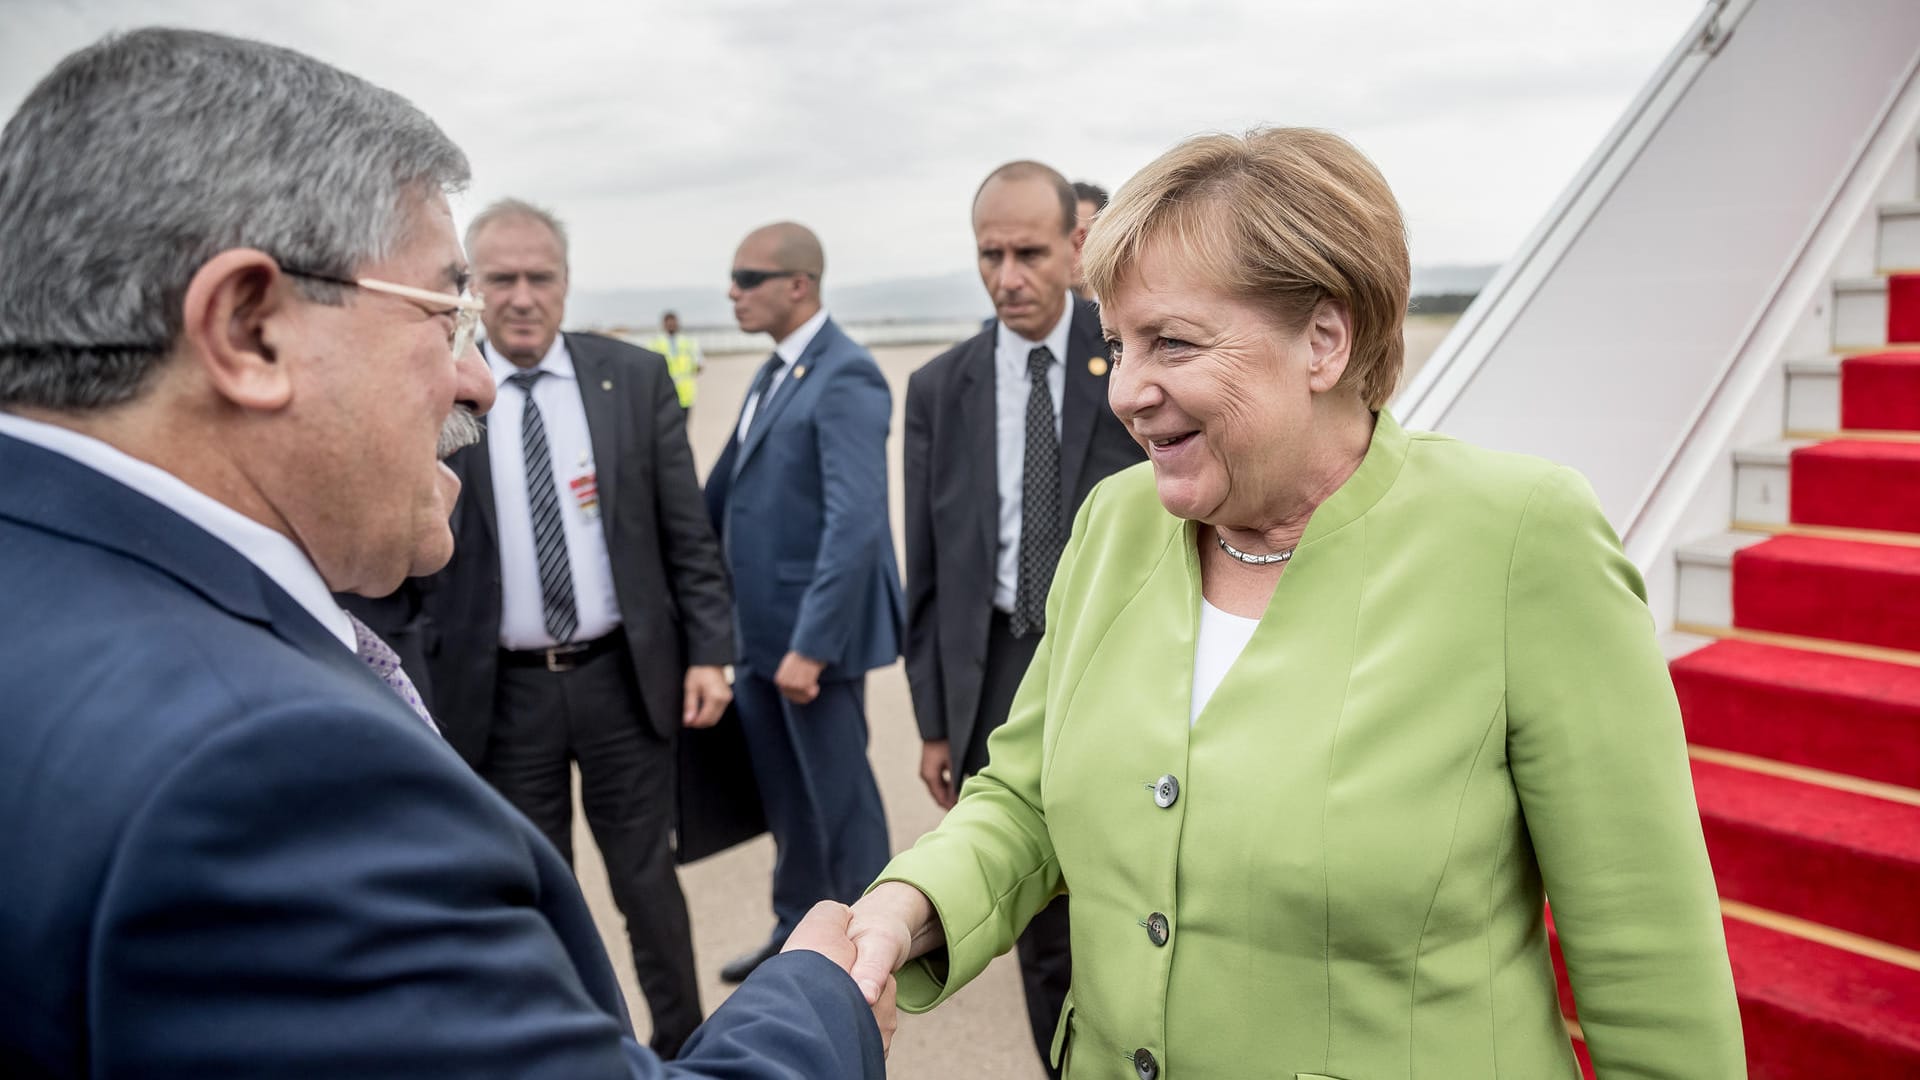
x=801, y=510
x=230, y=850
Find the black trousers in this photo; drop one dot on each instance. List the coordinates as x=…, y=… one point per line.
x=1046, y=962
x=543, y=722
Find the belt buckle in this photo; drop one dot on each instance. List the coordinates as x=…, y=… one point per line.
x=559, y=658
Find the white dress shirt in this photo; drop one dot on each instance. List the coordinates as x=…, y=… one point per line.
x=1011, y=388
x=1223, y=636
x=790, y=349
x=274, y=553
x=523, y=618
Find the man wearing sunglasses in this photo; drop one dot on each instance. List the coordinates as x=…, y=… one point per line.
x=233, y=349
x=799, y=498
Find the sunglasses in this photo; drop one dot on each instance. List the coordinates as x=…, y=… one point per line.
x=753, y=279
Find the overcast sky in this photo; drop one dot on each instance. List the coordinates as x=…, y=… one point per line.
x=662, y=132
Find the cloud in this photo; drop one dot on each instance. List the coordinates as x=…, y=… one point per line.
x=664, y=131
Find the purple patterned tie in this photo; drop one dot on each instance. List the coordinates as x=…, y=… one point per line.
x=385, y=663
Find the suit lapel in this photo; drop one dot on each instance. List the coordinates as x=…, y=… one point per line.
x=1085, y=394
x=978, y=434
x=474, y=466
x=54, y=492
x=600, y=395
x=789, y=388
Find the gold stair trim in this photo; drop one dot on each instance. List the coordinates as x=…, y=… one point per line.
x=1891, y=346
x=1804, y=774
x=1857, y=435
x=1822, y=935
x=1573, y=1029
x=1831, y=532
x=1805, y=644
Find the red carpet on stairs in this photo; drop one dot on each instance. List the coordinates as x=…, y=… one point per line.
x=1857, y=717
x=1812, y=1012
x=1857, y=484
x=1851, y=862
x=1903, y=308
x=1835, y=589
x=1880, y=391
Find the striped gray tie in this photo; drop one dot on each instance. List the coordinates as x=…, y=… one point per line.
x=549, y=531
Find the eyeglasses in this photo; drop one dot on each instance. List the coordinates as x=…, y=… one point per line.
x=466, y=309
x=753, y=279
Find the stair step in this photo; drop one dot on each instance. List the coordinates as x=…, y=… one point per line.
x=1762, y=481
x=1812, y=1012
x=1847, y=861
x=1834, y=589
x=1859, y=314
x=1903, y=307
x=1705, y=584
x=1899, y=235
x=1840, y=714
x=1857, y=484
x=1813, y=393
x=1808, y=1010
x=1881, y=391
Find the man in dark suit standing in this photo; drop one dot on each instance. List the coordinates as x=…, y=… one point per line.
x=236, y=845
x=1005, y=435
x=585, y=615
x=799, y=498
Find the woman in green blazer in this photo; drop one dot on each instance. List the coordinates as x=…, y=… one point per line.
x=1325, y=709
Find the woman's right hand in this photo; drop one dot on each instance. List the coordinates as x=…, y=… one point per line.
x=891, y=925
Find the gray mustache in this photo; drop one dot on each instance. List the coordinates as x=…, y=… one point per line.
x=461, y=429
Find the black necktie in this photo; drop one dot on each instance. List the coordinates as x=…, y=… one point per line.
x=1041, y=534
x=762, y=385
x=549, y=531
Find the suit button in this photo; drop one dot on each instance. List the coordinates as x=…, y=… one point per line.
x=1143, y=1064
x=1166, y=791
x=1156, y=925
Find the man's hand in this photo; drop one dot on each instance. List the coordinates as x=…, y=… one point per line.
x=799, y=678
x=706, y=696
x=827, y=930
x=936, y=771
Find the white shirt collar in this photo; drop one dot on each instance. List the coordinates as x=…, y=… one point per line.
x=1010, y=343
x=794, y=344
x=558, y=361
x=274, y=553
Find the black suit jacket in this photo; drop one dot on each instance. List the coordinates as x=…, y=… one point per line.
x=668, y=579
x=953, y=508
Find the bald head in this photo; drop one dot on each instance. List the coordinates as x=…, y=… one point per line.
x=782, y=265
x=791, y=246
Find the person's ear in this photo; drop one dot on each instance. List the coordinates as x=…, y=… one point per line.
x=1330, y=338
x=236, y=309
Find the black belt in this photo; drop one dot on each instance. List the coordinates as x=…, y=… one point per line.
x=561, y=657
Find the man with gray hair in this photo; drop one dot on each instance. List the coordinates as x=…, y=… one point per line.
x=233, y=347
x=586, y=616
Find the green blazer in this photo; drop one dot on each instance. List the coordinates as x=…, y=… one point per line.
x=1453, y=706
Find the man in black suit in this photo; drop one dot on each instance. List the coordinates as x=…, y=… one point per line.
x=1005, y=435
x=586, y=615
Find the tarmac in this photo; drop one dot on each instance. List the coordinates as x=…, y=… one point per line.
x=980, y=1031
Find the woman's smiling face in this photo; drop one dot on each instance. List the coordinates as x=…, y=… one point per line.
x=1217, y=391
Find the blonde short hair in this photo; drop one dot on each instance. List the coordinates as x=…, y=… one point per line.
x=1285, y=216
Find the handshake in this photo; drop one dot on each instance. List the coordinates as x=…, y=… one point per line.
x=871, y=940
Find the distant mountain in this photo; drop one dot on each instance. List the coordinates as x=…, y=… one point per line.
x=945, y=297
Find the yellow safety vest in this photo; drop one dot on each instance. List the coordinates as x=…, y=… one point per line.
x=680, y=364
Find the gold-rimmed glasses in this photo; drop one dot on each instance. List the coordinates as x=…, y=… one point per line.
x=466, y=309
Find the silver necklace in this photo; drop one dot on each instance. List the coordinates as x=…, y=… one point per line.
x=1251, y=560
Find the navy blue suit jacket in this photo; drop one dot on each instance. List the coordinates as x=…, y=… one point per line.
x=230, y=850
x=801, y=510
